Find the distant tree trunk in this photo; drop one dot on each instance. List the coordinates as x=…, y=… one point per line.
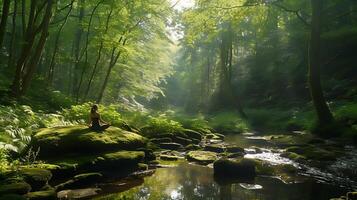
x=29, y=37
x=51, y=68
x=3, y=22
x=25, y=70
x=86, y=50
x=23, y=17
x=323, y=112
x=98, y=56
x=31, y=68
x=77, y=44
x=12, y=39
x=112, y=63
x=225, y=98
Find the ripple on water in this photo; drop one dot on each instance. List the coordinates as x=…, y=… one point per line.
x=273, y=158
x=251, y=186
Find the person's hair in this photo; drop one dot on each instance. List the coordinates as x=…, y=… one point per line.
x=94, y=108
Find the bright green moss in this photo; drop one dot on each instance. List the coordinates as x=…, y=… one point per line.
x=80, y=139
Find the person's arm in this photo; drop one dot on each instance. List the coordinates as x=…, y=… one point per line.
x=101, y=120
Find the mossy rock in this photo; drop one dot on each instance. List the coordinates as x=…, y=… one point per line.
x=80, y=180
x=89, y=177
x=182, y=140
x=226, y=170
x=42, y=195
x=291, y=140
x=234, y=149
x=171, y=146
x=169, y=157
x=161, y=140
x=314, y=153
x=212, y=136
x=202, y=157
x=192, y=134
x=191, y=147
x=12, y=197
x=15, y=188
x=215, y=148
x=221, y=136
x=286, y=172
x=293, y=156
x=143, y=166
x=81, y=139
x=120, y=160
x=36, y=177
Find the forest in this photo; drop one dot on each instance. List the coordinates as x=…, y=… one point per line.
x=178, y=99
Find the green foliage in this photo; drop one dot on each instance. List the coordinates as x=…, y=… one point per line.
x=228, y=122
x=161, y=124
x=18, y=122
x=3, y=161
x=80, y=113
x=347, y=113
x=277, y=119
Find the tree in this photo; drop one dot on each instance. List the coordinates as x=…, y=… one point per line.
x=3, y=20
x=323, y=112
x=28, y=60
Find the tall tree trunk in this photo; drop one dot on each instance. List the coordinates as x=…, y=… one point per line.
x=26, y=47
x=12, y=40
x=23, y=17
x=77, y=46
x=3, y=22
x=112, y=63
x=51, y=68
x=31, y=68
x=86, y=50
x=98, y=56
x=322, y=110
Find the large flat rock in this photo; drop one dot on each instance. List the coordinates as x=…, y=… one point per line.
x=80, y=139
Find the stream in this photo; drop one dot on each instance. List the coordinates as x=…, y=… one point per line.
x=192, y=181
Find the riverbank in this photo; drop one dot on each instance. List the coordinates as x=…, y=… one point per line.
x=76, y=162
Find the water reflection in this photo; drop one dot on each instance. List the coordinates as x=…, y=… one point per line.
x=196, y=182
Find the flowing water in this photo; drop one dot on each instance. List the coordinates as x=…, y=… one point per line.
x=190, y=181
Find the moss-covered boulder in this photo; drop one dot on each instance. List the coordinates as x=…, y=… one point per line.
x=313, y=152
x=169, y=157
x=36, y=177
x=202, y=157
x=80, y=139
x=42, y=195
x=213, y=136
x=127, y=160
x=80, y=180
x=192, y=147
x=78, y=193
x=285, y=172
x=215, y=148
x=171, y=146
x=234, y=169
x=161, y=140
x=182, y=140
x=234, y=149
x=192, y=134
x=15, y=188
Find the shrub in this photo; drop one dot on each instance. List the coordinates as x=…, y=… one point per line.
x=3, y=160
x=161, y=124
x=80, y=114
x=347, y=113
x=228, y=122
